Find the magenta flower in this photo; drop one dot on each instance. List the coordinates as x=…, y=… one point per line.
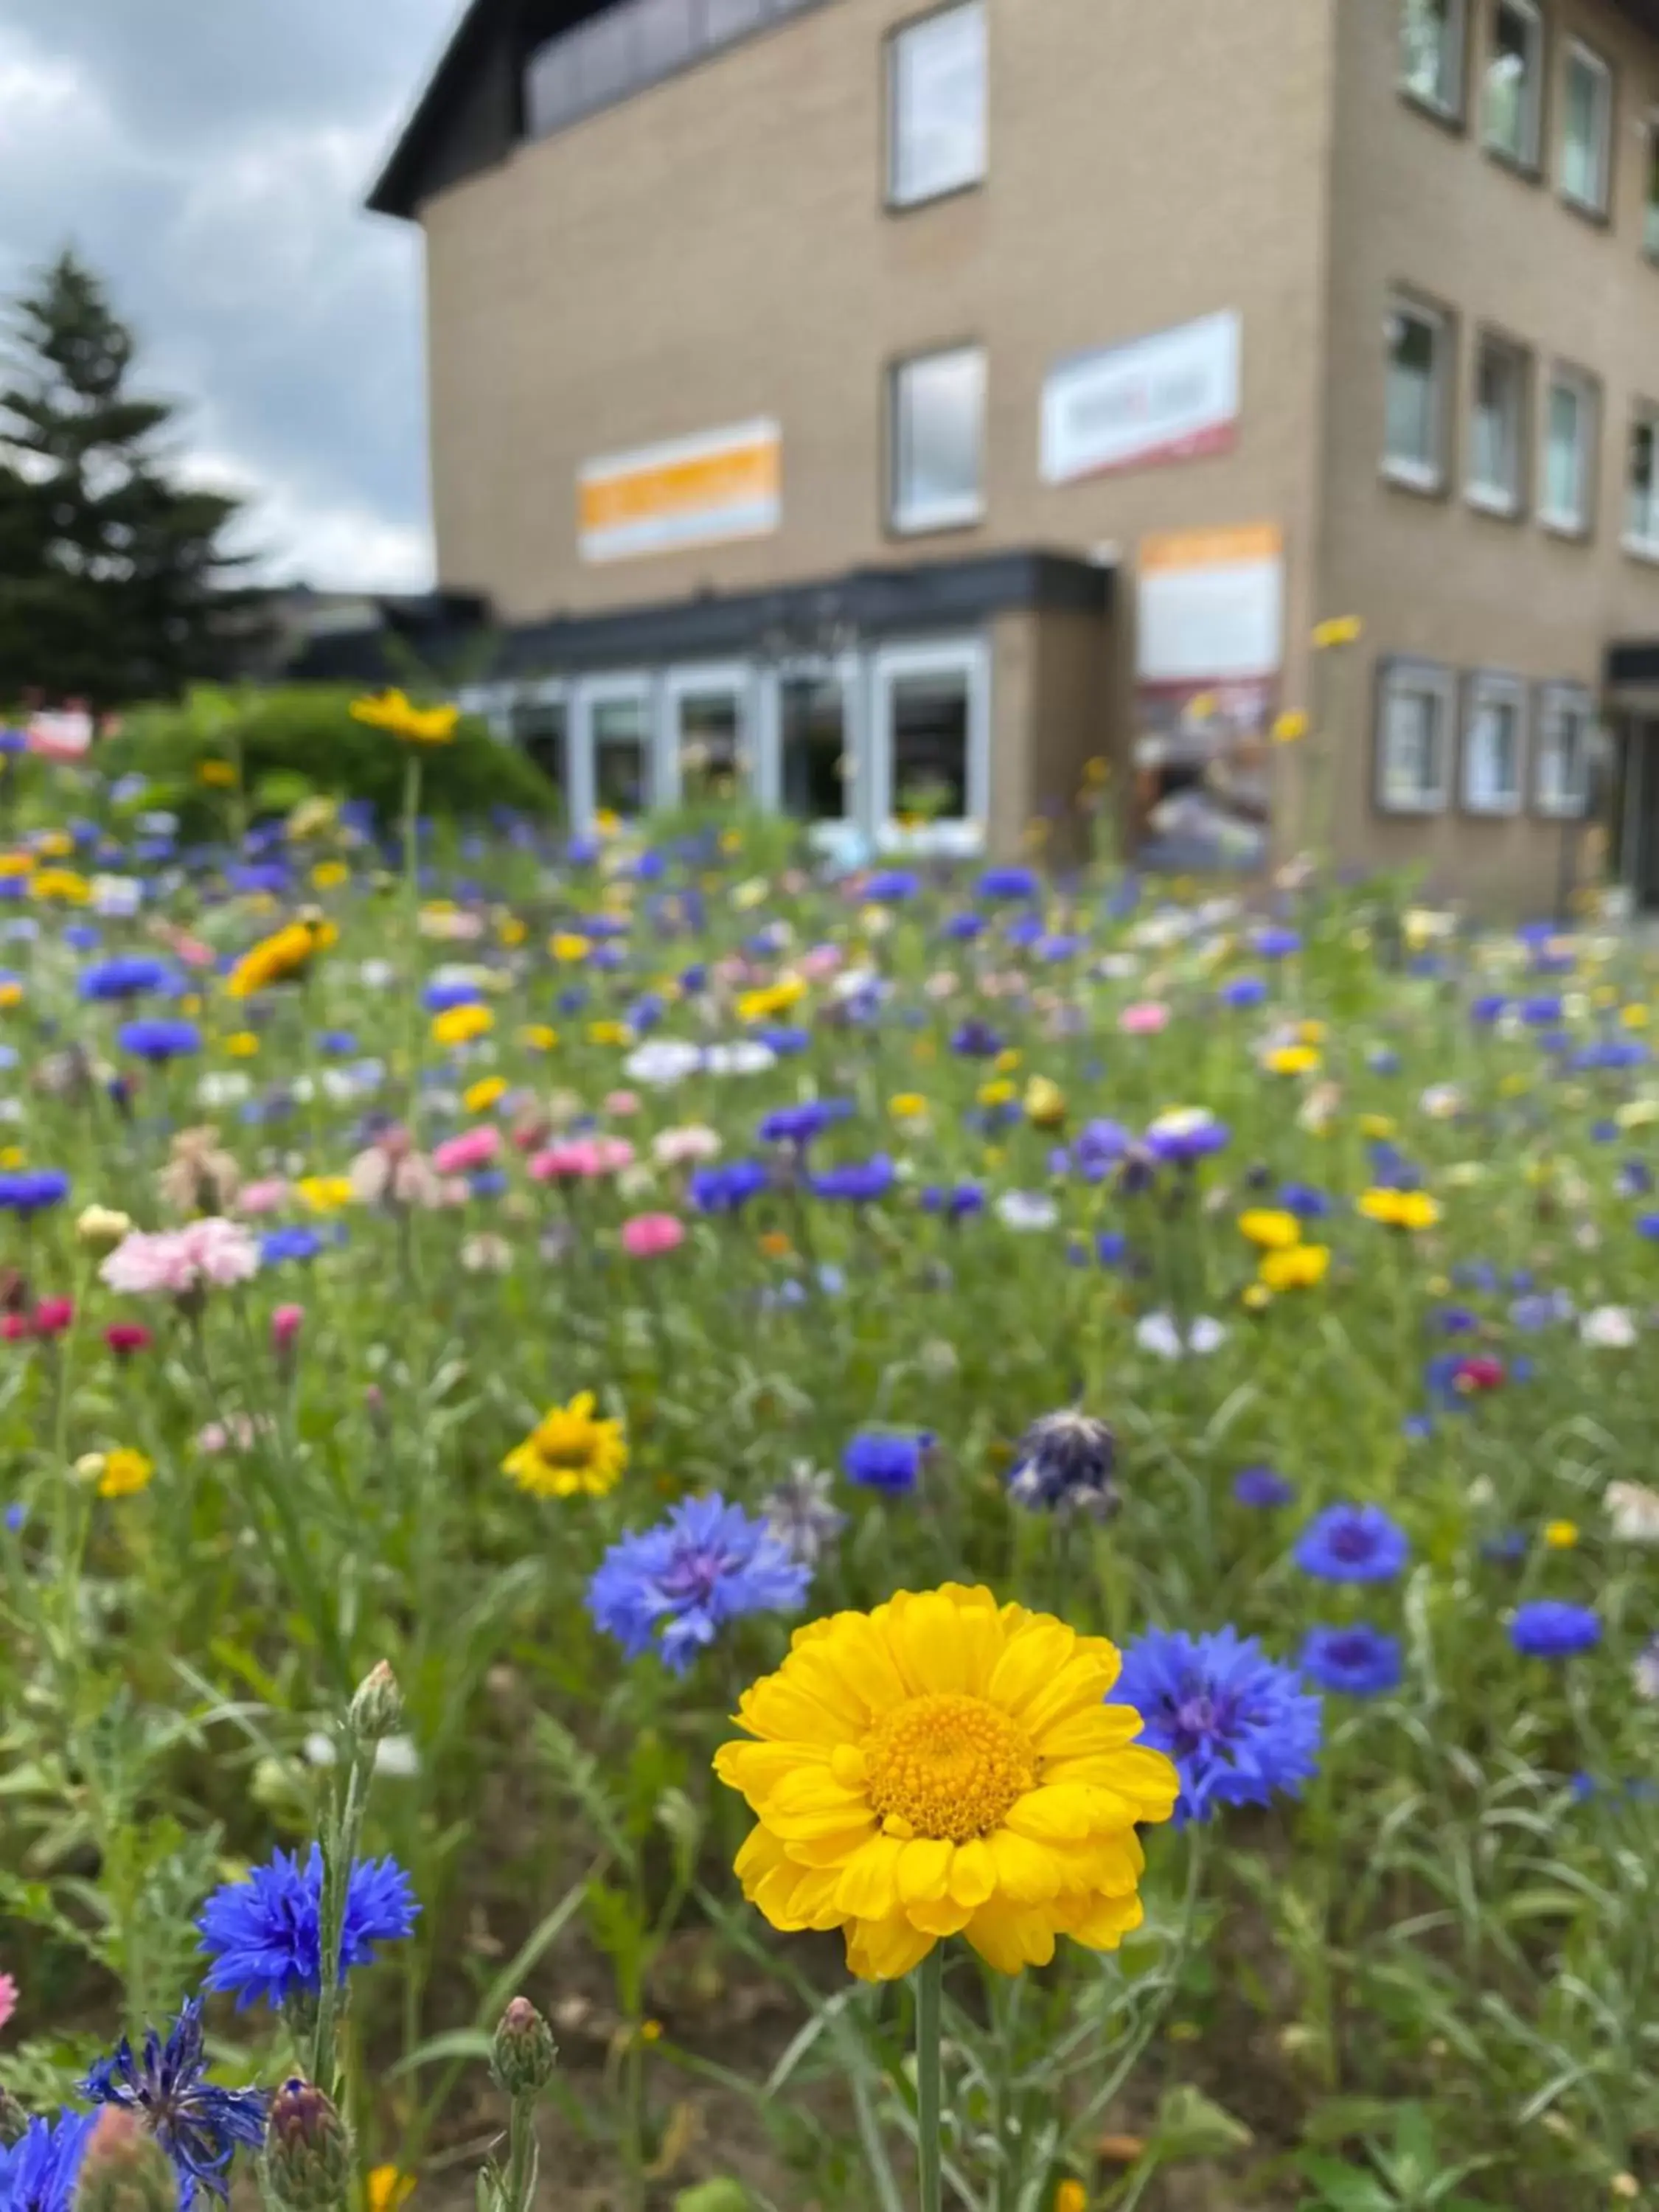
x=473, y=1148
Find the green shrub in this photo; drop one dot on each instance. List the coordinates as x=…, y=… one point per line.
x=299, y=739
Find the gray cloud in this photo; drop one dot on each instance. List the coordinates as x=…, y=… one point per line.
x=209, y=160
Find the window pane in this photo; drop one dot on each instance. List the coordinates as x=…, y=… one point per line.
x=1650, y=210
x=1413, y=428
x=621, y=756
x=1563, y=459
x=603, y=51
x=538, y=727
x=1511, y=80
x=940, y=407
x=1430, y=29
x=1495, y=464
x=930, y=748
x=552, y=93
x=1641, y=518
x=1584, y=132
x=814, y=747
x=731, y=19
x=1411, y=770
x=663, y=35
x=938, y=95
x=1494, y=751
x=710, y=733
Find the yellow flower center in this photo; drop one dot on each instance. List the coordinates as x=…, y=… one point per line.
x=946, y=1766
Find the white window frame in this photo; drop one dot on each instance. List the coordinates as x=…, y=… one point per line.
x=1555, y=699
x=1644, y=544
x=1494, y=499
x=699, y=680
x=1527, y=152
x=588, y=694
x=946, y=514
x=1428, y=678
x=968, y=658
x=1488, y=688
x=850, y=833
x=1575, y=50
x=493, y=704
x=1650, y=196
x=1418, y=476
x=1589, y=395
x=898, y=196
x=1455, y=48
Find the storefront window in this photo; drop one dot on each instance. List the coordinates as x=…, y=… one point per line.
x=930, y=748
x=813, y=720
x=621, y=756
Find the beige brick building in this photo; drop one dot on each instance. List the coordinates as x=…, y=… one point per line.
x=908, y=407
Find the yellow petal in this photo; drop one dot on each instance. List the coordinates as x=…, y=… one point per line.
x=1026, y=1871
x=1009, y=1939
x=1102, y=1922
x=1097, y=1729
x=924, y=1869
x=1059, y=1815
x=885, y=1950
x=1031, y=1660
x=973, y=1872
x=868, y=1888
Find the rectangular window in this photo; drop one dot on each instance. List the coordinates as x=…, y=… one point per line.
x=1651, y=192
x=1515, y=80
x=813, y=741
x=937, y=439
x=537, y=726
x=936, y=104
x=664, y=36
x=1494, y=734
x=1431, y=42
x=1414, y=440
x=1566, y=733
x=731, y=19
x=1586, y=129
x=1569, y=449
x=1641, y=486
x=552, y=91
x=621, y=756
x=1497, y=441
x=1414, y=737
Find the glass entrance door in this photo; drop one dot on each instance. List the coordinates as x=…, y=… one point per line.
x=613, y=748
x=931, y=750
x=707, y=753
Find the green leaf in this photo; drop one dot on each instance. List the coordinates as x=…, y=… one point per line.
x=457, y=2042
x=719, y=2196
x=1189, y=2124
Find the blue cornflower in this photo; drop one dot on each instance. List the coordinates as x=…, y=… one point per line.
x=672, y=1587
x=1065, y=1461
x=1008, y=884
x=1237, y=1725
x=279, y=1244
x=128, y=976
x=784, y=1038
x=1098, y=1146
x=1487, y=1008
x=1111, y=1248
x=1274, y=942
x=264, y=1934
x=729, y=1187
x=1262, y=1486
x=1360, y=1662
x=891, y=886
x=267, y=875
x=1023, y=929
x=1635, y=1179
x=1304, y=1199
x=443, y=998
x=878, y=1459
x=964, y=927
x=1540, y=1012
x=799, y=1125
x=487, y=1183
x=975, y=1040
x=1187, y=1136
x=858, y=1182
x=955, y=1200
x=38, y=2172
x=1352, y=1544
x=339, y=1044
x=196, y=2123
x=157, y=1040
x=1243, y=991
x=1551, y=1628
x=31, y=1190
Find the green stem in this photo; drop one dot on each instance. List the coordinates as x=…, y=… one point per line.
x=520, y=2169
x=929, y=1980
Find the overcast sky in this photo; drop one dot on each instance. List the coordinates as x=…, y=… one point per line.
x=210, y=159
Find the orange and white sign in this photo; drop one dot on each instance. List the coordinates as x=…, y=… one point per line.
x=1212, y=604
x=695, y=491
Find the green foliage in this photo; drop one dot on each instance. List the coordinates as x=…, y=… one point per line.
x=116, y=583
x=285, y=744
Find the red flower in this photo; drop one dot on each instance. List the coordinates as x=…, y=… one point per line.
x=124, y=1338
x=1472, y=1375
x=52, y=1316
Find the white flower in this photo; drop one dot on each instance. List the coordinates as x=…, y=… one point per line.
x=661, y=1062
x=377, y=974
x=116, y=897
x=223, y=1087
x=675, y=1148
x=395, y=1755
x=1159, y=1332
x=853, y=982
x=1644, y=1671
x=158, y=824
x=1610, y=1328
x=748, y=1056
x=1026, y=1209
x=1634, y=1511
x=1442, y=1102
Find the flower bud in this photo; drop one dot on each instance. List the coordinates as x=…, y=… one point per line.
x=377, y=1705
x=124, y=2168
x=307, y=2148
x=101, y=1228
x=525, y=2054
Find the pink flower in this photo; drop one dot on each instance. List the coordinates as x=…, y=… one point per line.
x=8, y=1998
x=648, y=1234
x=819, y=961
x=1145, y=1018
x=13, y=1328
x=285, y=1325
x=52, y=1316
x=473, y=1148
x=239, y=1433
x=581, y=1159
x=180, y=1261
x=622, y=1103
x=265, y=1196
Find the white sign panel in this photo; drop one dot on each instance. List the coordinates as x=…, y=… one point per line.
x=1212, y=605
x=1173, y=396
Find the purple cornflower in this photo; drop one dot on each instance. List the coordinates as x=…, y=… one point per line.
x=1352, y=1544
x=878, y=1459
x=671, y=1588
x=1359, y=1661
x=38, y=2172
x=1064, y=1464
x=196, y=2123
x=1262, y=1486
x=858, y=1182
x=1238, y=1725
x=263, y=1934
x=1551, y=1628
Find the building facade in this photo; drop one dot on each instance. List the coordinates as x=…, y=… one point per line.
x=903, y=409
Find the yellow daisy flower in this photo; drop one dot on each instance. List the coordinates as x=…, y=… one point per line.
x=1399, y=1209
x=462, y=1024
x=1044, y=1103
x=1291, y=1060
x=325, y=1193
x=569, y=1452
x=1299, y=1268
x=946, y=1766
x=286, y=953
x=478, y=1097
x=1269, y=1227
x=124, y=1473
x=567, y=947
x=416, y=726
x=387, y=2188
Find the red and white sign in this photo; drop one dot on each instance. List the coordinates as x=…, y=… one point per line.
x=1173, y=396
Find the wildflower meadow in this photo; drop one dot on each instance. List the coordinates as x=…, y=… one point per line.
x=683, y=1531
